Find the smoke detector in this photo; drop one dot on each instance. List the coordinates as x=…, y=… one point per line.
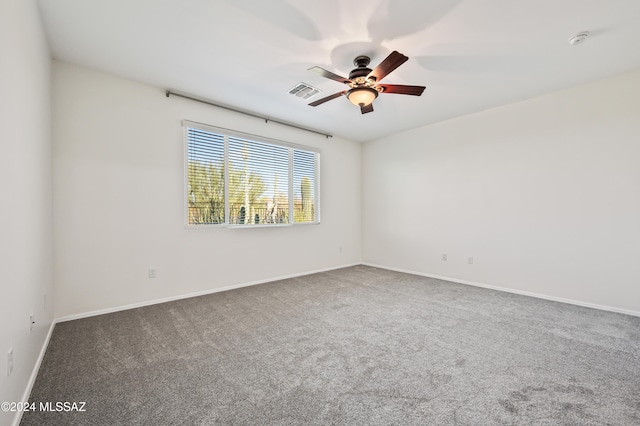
x=578, y=38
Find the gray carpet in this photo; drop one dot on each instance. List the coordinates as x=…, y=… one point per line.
x=355, y=346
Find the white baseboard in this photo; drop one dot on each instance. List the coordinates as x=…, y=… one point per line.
x=196, y=294
x=510, y=290
x=34, y=373
x=263, y=281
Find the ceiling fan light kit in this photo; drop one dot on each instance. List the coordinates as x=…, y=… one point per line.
x=362, y=96
x=364, y=84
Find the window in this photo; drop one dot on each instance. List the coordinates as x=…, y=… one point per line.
x=238, y=179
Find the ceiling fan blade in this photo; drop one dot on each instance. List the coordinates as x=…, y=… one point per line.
x=401, y=89
x=390, y=63
x=329, y=74
x=367, y=108
x=328, y=98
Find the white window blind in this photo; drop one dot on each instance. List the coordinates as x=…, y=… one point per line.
x=304, y=186
x=238, y=179
x=206, y=177
x=259, y=182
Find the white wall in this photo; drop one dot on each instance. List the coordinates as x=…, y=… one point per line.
x=25, y=190
x=543, y=194
x=118, y=200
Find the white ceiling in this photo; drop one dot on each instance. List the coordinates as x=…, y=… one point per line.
x=470, y=54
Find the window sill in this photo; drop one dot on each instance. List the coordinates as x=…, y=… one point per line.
x=268, y=225
x=226, y=226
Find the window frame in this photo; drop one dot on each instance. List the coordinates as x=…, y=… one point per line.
x=227, y=133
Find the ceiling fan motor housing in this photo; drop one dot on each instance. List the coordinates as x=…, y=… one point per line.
x=362, y=71
x=361, y=61
x=359, y=72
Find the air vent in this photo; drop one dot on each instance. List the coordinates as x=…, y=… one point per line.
x=304, y=91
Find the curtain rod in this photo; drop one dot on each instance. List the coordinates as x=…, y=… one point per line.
x=266, y=120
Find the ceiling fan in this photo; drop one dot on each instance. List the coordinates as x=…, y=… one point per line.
x=363, y=82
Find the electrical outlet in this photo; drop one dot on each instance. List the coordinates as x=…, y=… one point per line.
x=32, y=323
x=444, y=256
x=470, y=261
x=10, y=362
x=340, y=249
x=152, y=272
